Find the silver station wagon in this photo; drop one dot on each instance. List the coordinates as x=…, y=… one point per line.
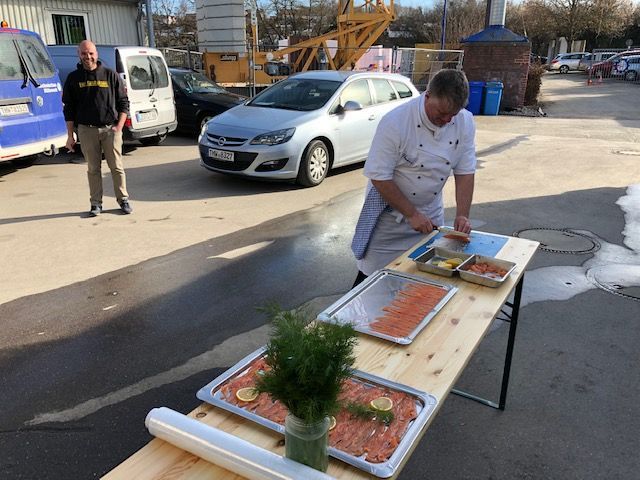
x=301, y=127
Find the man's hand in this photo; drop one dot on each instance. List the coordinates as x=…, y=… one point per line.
x=420, y=223
x=71, y=142
x=462, y=224
x=116, y=128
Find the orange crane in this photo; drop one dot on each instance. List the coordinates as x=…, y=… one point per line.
x=359, y=26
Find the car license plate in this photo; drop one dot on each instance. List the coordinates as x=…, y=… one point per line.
x=8, y=110
x=221, y=155
x=146, y=116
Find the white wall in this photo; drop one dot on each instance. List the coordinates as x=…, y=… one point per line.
x=107, y=22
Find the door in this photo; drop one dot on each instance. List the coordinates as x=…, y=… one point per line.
x=354, y=129
x=148, y=88
x=30, y=95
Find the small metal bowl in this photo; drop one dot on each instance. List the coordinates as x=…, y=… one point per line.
x=427, y=262
x=472, y=277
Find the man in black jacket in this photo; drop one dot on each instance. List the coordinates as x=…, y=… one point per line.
x=95, y=101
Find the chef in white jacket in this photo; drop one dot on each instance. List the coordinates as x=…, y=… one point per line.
x=414, y=151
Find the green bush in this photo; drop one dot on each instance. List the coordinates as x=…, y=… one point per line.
x=534, y=81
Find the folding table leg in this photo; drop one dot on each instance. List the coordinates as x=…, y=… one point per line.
x=513, y=324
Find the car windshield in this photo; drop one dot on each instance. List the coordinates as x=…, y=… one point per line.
x=301, y=94
x=195, y=82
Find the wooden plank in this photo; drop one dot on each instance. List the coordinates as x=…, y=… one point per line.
x=432, y=363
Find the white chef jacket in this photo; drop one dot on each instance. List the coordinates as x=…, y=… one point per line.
x=419, y=157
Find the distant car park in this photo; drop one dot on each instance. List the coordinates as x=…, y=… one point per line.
x=198, y=99
x=563, y=62
x=301, y=127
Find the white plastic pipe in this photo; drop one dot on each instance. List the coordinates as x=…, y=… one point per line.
x=497, y=12
x=228, y=451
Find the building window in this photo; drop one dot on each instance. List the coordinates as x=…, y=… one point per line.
x=69, y=29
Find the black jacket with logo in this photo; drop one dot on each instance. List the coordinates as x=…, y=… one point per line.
x=94, y=97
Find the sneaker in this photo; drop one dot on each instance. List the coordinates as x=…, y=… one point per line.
x=95, y=210
x=125, y=207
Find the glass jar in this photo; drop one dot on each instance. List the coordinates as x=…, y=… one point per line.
x=307, y=443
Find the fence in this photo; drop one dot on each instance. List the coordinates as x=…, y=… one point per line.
x=420, y=64
x=185, y=58
x=623, y=65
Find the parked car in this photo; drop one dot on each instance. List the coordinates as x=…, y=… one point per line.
x=301, y=127
x=627, y=68
x=590, y=58
x=563, y=62
x=606, y=67
x=198, y=99
x=146, y=78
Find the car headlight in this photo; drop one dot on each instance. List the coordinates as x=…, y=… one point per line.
x=274, y=138
x=203, y=130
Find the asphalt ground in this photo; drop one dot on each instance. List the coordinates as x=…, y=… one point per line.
x=104, y=319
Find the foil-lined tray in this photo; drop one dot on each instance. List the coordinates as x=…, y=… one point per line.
x=364, y=303
x=425, y=405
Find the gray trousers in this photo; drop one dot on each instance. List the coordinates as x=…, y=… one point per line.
x=94, y=141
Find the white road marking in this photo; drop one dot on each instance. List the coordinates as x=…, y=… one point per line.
x=238, y=252
x=227, y=353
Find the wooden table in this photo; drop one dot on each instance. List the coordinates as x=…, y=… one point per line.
x=432, y=363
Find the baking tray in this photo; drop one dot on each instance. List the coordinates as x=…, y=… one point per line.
x=482, y=279
x=425, y=405
x=363, y=304
x=425, y=262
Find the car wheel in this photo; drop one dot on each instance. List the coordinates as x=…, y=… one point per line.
x=314, y=165
x=564, y=69
x=204, y=120
x=630, y=75
x=150, y=141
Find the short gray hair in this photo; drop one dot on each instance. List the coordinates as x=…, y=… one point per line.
x=452, y=85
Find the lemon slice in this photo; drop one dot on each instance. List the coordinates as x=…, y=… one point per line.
x=332, y=422
x=247, y=394
x=455, y=262
x=382, y=404
x=445, y=265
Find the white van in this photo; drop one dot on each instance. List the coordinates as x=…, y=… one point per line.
x=152, y=112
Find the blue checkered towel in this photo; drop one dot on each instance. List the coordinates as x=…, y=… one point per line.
x=373, y=207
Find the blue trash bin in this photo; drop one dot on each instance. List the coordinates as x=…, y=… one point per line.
x=492, y=97
x=475, y=97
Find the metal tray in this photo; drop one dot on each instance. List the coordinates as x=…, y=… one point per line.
x=364, y=303
x=481, y=279
x=425, y=262
x=425, y=405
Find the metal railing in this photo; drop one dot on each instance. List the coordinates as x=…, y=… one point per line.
x=625, y=68
x=183, y=57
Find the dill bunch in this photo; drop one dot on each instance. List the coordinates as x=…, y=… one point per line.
x=309, y=362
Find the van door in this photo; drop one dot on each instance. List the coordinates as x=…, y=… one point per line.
x=47, y=91
x=30, y=92
x=148, y=88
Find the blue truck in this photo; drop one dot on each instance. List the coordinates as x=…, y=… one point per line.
x=31, y=119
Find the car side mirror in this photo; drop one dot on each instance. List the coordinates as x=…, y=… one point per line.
x=351, y=106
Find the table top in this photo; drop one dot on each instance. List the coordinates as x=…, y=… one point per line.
x=432, y=363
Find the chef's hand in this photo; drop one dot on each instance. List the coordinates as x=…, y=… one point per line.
x=462, y=224
x=420, y=223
